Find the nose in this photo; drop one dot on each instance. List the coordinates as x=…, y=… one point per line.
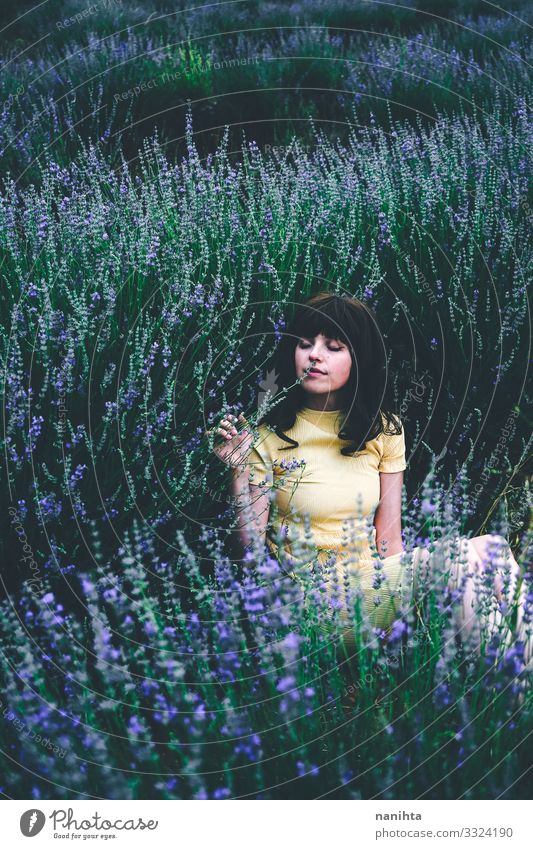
x=315, y=362
x=314, y=352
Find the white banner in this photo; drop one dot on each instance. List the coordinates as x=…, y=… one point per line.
x=357, y=824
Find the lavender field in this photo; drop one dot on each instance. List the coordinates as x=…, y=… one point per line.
x=153, y=244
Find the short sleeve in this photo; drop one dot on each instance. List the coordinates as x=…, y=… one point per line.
x=259, y=464
x=393, y=459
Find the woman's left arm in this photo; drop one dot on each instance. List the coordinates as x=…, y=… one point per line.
x=388, y=515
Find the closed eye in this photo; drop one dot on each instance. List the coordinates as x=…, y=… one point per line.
x=305, y=345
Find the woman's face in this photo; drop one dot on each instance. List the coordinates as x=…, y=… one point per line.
x=331, y=357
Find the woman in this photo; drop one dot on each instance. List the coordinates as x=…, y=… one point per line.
x=331, y=448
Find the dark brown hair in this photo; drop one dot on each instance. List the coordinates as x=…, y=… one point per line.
x=351, y=321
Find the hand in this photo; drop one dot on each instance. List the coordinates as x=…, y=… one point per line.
x=234, y=449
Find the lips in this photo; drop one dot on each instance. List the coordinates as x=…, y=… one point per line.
x=316, y=371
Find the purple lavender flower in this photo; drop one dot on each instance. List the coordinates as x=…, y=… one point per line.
x=135, y=726
x=399, y=627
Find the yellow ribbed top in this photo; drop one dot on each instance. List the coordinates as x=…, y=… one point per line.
x=338, y=492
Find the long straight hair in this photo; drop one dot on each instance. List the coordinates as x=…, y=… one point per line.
x=365, y=410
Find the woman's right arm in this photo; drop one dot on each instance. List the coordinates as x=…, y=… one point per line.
x=251, y=502
x=252, y=507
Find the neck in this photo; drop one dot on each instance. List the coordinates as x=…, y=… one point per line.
x=323, y=403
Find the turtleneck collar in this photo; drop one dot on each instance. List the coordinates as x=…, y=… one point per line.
x=320, y=412
x=318, y=417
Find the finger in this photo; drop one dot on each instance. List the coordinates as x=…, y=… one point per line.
x=228, y=425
